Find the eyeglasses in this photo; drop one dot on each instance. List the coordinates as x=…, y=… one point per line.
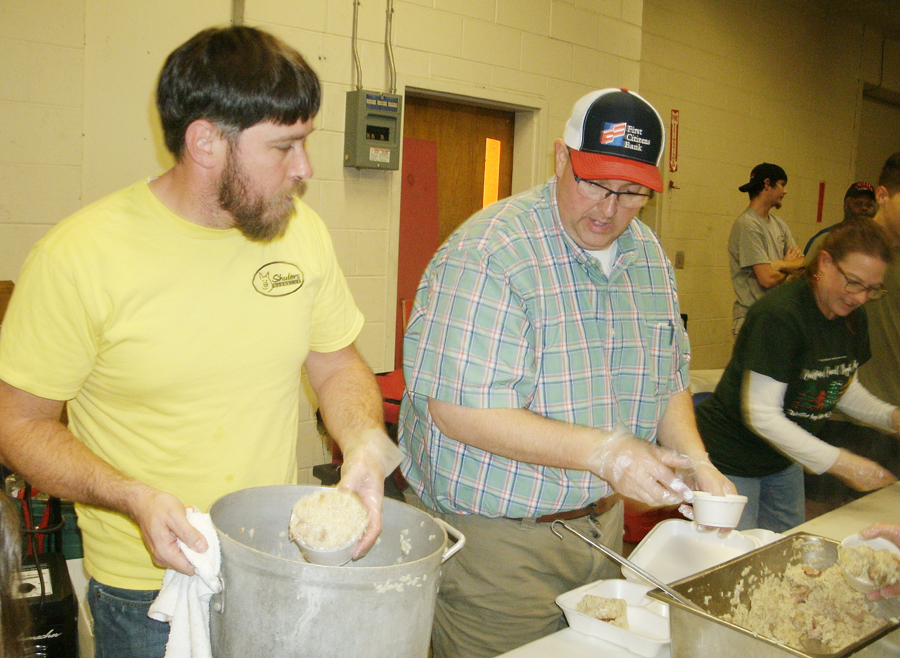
x=855, y=287
x=596, y=192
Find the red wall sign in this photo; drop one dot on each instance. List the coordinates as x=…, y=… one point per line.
x=821, y=202
x=673, y=142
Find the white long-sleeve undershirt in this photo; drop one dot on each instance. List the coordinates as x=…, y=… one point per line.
x=762, y=400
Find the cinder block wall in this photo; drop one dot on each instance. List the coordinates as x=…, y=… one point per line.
x=41, y=121
x=754, y=81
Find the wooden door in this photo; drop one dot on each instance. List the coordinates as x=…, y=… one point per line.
x=454, y=156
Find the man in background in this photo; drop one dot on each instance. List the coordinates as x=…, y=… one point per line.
x=859, y=201
x=545, y=358
x=761, y=250
x=174, y=318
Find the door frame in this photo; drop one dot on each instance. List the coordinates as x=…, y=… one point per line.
x=532, y=163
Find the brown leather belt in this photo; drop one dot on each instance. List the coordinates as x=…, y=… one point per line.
x=594, y=509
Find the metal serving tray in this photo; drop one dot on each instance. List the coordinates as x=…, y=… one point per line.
x=697, y=634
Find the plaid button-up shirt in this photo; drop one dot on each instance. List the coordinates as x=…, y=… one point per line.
x=511, y=313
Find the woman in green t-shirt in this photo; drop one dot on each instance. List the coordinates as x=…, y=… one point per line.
x=794, y=361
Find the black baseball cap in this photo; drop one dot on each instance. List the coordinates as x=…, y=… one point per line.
x=616, y=134
x=860, y=188
x=760, y=173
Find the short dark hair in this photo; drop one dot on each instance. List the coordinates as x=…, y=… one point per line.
x=235, y=77
x=890, y=174
x=860, y=235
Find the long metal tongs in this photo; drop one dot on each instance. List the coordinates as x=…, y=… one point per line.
x=653, y=580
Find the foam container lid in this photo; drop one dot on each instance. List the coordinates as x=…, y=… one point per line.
x=648, y=620
x=675, y=549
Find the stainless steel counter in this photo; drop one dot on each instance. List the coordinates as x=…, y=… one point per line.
x=879, y=506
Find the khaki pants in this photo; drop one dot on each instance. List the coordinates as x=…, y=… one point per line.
x=499, y=592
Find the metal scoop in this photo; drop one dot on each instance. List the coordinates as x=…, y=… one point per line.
x=653, y=580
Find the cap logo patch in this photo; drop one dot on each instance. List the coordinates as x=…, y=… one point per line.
x=613, y=133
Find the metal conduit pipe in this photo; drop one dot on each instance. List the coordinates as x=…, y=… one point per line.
x=388, y=29
x=353, y=45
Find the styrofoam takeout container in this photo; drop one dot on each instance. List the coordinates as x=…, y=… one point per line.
x=718, y=511
x=648, y=620
x=675, y=549
x=877, y=544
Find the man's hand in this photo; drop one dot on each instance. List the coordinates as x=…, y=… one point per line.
x=162, y=519
x=793, y=253
x=367, y=461
x=641, y=470
x=703, y=476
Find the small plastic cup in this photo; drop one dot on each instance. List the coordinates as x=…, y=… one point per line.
x=862, y=584
x=718, y=511
x=322, y=519
x=329, y=557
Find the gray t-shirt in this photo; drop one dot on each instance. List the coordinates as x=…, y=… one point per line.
x=754, y=240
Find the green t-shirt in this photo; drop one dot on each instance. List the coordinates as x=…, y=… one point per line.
x=785, y=337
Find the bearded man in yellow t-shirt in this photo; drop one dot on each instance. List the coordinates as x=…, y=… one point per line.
x=174, y=318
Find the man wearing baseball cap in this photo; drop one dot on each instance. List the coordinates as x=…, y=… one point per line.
x=859, y=201
x=761, y=249
x=547, y=375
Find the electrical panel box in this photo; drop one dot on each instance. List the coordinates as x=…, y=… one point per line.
x=372, y=130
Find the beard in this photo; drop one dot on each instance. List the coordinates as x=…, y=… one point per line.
x=258, y=219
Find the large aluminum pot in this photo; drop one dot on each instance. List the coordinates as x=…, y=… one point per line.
x=274, y=603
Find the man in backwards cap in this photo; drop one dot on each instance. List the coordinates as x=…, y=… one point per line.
x=545, y=359
x=761, y=249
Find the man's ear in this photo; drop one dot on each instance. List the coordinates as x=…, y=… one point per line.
x=882, y=194
x=560, y=156
x=204, y=143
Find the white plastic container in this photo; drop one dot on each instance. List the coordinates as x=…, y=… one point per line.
x=675, y=549
x=648, y=620
x=329, y=557
x=877, y=544
x=718, y=511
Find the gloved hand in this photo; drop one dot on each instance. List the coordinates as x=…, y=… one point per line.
x=860, y=473
x=639, y=469
x=367, y=461
x=701, y=475
x=890, y=532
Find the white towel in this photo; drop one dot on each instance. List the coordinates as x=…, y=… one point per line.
x=183, y=600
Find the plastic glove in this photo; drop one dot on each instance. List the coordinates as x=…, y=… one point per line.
x=860, y=473
x=890, y=532
x=701, y=475
x=639, y=469
x=367, y=461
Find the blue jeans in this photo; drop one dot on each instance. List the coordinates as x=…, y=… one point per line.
x=121, y=625
x=775, y=502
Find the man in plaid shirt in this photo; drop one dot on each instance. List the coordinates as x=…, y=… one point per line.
x=545, y=359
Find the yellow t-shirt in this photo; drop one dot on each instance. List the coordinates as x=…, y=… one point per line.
x=179, y=349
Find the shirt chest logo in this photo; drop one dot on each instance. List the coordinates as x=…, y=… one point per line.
x=278, y=279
